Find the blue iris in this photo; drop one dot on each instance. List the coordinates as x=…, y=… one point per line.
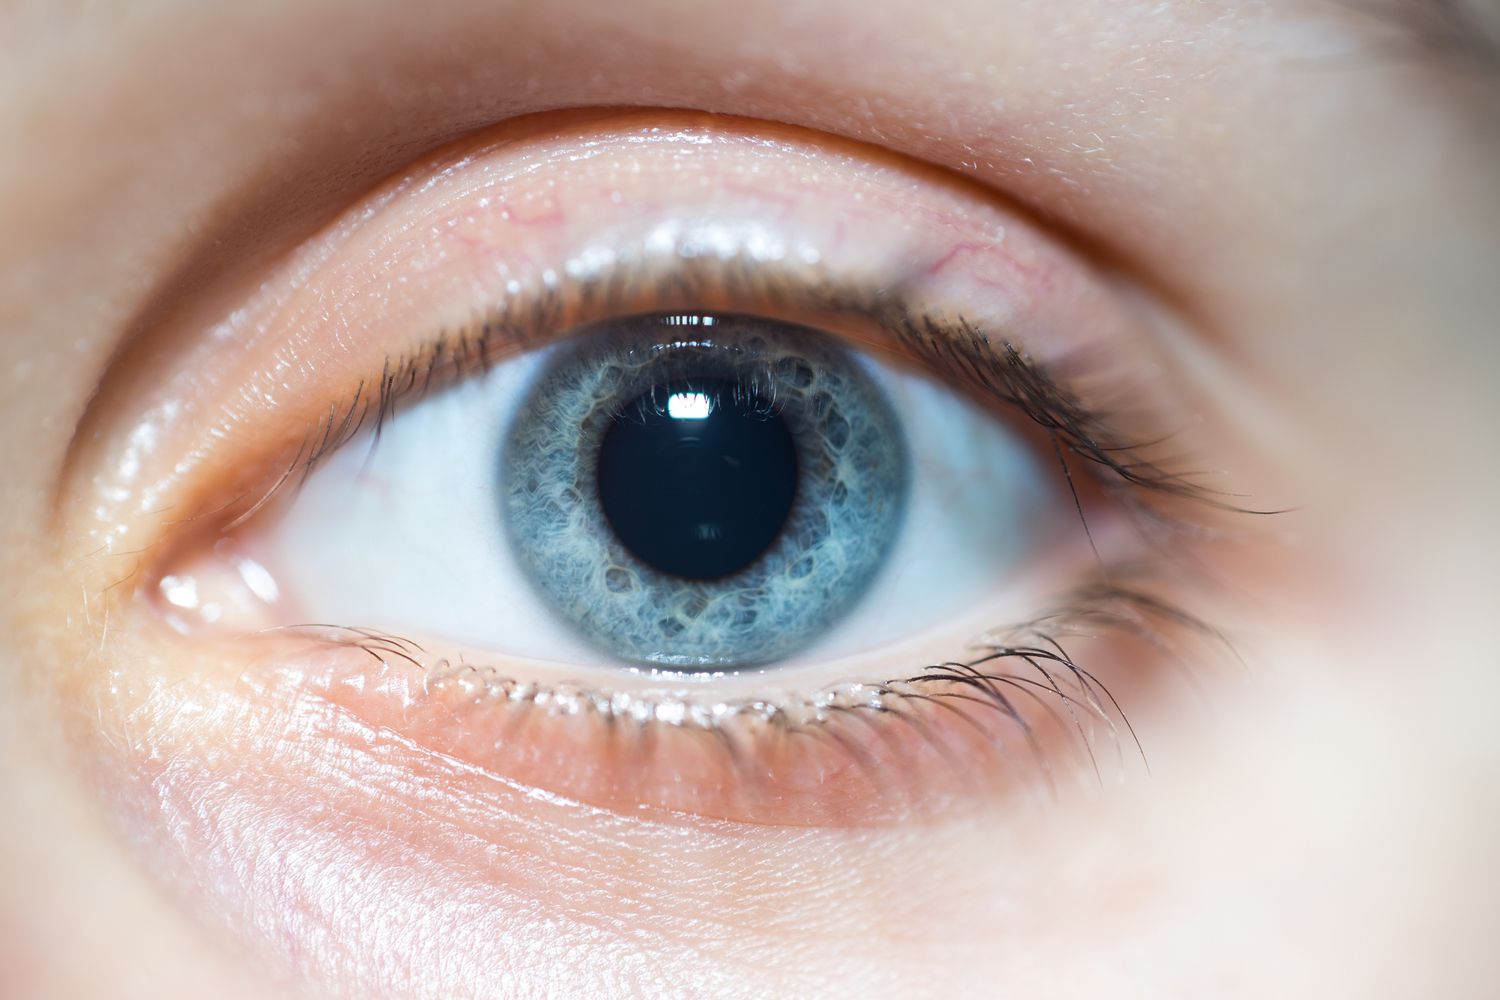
x=703, y=492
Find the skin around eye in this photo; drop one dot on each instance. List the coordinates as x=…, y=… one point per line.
x=506, y=242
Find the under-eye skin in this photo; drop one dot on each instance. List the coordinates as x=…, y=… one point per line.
x=792, y=682
x=629, y=516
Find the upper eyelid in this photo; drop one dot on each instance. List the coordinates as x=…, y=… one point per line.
x=227, y=248
x=1079, y=275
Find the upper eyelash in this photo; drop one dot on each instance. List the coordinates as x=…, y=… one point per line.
x=956, y=349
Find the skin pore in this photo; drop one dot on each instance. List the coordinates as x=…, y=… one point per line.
x=1305, y=188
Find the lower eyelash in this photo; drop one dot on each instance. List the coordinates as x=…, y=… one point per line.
x=1022, y=684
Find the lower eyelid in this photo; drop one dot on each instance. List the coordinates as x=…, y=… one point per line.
x=946, y=738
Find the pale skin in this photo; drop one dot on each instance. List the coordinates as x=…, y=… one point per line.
x=1308, y=188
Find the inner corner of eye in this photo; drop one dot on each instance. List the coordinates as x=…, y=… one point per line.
x=216, y=587
x=698, y=492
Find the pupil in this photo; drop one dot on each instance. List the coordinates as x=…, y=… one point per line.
x=697, y=478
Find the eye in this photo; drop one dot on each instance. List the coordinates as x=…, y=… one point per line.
x=700, y=467
x=688, y=491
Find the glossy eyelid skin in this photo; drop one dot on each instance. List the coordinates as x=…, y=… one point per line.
x=512, y=218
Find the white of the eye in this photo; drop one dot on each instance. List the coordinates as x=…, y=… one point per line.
x=407, y=535
x=404, y=533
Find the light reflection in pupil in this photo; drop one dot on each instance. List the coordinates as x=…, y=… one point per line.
x=697, y=479
x=690, y=406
